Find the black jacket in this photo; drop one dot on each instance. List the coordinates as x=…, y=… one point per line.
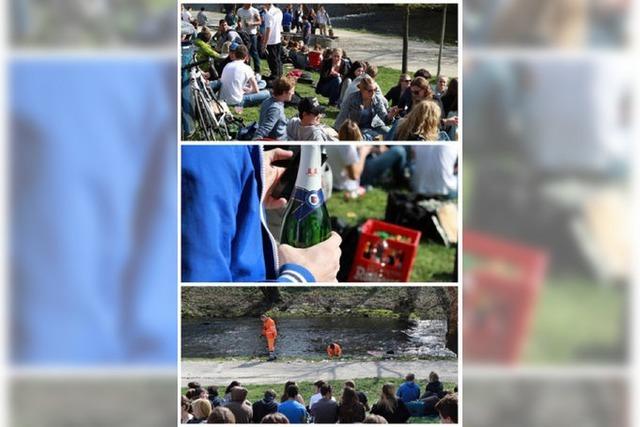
x=399, y=416
x=262, y=408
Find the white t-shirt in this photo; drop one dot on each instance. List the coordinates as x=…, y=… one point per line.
x=322, y=18
x=433, y=173
x=339, y=157
x=235, y=77
x=247, y=15
x=273, y=20
x=186, y=16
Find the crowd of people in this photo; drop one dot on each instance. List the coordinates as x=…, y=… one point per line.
x=208, y=405
x=413, y=110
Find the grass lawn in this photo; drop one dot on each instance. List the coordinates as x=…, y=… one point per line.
x=370, y=386
x=434, y=262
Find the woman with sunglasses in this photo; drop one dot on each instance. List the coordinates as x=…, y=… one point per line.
x=396, y=92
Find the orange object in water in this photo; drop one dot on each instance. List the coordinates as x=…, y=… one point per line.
x=270, y=332
x=334, y=350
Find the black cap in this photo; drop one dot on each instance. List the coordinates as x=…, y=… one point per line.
x=311, y=105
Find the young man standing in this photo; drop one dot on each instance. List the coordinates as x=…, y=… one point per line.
x=249, y=21
x=270, y=333
x=272, y=40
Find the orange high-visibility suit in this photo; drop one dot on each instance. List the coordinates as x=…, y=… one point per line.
x=334, y=350
x=270, y=332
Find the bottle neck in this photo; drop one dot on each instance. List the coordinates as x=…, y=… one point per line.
x=309, y=171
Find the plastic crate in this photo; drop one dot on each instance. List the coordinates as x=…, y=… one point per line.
x=391, y=264
x=315, y=59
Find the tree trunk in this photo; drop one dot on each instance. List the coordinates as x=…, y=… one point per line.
x=405, y=40
x=444, y=25
x=452, y=320
x=271, y=294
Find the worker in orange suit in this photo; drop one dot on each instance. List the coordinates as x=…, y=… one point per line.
x=334, y=350
x=270, y=333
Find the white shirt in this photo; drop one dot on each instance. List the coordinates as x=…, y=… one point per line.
x=186, y=16
x=273, y=20
x=433, y=173
x=322, y=18
x=339, y=157
x=235, y=77
x=247, y=15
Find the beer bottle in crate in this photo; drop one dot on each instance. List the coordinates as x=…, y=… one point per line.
x=306, y=220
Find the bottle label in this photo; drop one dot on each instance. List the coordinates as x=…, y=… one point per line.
x=309, y=201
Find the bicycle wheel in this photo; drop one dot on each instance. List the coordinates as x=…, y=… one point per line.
x=204, y=116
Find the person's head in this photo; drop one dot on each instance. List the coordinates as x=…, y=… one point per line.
x=447, y=408
x=433, y=377
x=367, y=88
x=223, y=26
x=420, y=89
x=275, y=418
x=212, y=390
x=194, y=384
x=442, y=83
x=284, y=88
x=350, y=131
x=326, y=391
x=192, y=394
x=336, y=55
x=404, y=81
x=375, y=419
x=423, y=120
x=201, y=408
x=356, y=70
x=350, y=383
x=185, y=404
x=263, y=317
x=231, y=385
x=309, y=111
x=205, y=35
x=321, y=9
x=239, y=394
x=292, y=391
x=349, y=396
x=422, y=72
x=202, y=393
x=269, y=395
x=189, y=8
x=305, y=18
x=452, y=90
x=202, y=9
x=371, y=70
x=246, y=5
x=410, y=377
x=318, y=384
x=221, y=415
x=388, y=397
x=268, y=6
x=240, y=53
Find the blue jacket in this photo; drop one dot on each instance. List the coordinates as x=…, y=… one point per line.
x=224, y=234
x=408, y=392
x=352, y=107
x=273, y=121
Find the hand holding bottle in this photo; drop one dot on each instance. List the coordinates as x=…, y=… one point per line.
x=322, y=260
x=272, y=174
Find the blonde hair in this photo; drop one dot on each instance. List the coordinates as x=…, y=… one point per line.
x=423, y=120
x=201, y=408
x=350, y=131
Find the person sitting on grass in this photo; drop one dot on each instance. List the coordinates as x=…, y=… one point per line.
x=317, y=396
x=348, y=161
x=291, y=408
x=275, y=418
x=214, y=398
x=362, y=397
x=367, y=110
x=450, y=107
x=226, y=34
x=370, y=70
x=307, y=127
x=434, y=387
x=273, y=122
x=325, y=410
x=267, y=405
x=447, y=408
x=374, y=419
x=238, y=84
x=394, y=94
x=201, y=411
x=350, y=410
x=356, y=70
x=405, y=97
x=391, y=408
x=441, y=87
x=435, y=173
x=185, y=410
x=221, y=415
x=285, y=396
x=409, y=390
x=240, y=406
x=227, y=391
x=332, y=71
x=421, y=124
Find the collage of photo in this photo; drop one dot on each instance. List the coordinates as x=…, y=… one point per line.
x=319, y=158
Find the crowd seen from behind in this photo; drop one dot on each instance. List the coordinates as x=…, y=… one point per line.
x=207, y=406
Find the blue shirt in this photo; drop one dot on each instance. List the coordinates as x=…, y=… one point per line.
x=273, y=121
x=294, y=411
x=286, y=19
x=408, y=392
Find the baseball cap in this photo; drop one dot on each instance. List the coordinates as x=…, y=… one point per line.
x=311, y=105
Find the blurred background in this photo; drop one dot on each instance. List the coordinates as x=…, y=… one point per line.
x=548, y=198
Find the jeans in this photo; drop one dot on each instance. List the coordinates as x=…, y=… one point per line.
x=331, y=89
x=254, y=54
x=370, y=134
x=186, y=116
x=394, y=159
x=249, y=99
x=274, y=53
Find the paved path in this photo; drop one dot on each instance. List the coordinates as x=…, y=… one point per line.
x=384, y=50
x=260, y=372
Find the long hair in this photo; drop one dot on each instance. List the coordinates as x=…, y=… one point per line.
x=349, y=400
x=350, y=131
x=388, y=398
x=201, y=408
x=423, y=120
x=285, y=395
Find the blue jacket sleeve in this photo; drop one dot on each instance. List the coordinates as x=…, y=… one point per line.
x=294, y=273
x=267, y=124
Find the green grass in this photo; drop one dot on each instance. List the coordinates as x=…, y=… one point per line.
x=434, y=262
x=370, y=386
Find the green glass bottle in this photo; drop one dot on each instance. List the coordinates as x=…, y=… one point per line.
x=306, y=221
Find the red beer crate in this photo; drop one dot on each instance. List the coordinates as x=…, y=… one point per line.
x=376, y=262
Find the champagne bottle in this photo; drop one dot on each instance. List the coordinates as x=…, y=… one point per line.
x=306, y=220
